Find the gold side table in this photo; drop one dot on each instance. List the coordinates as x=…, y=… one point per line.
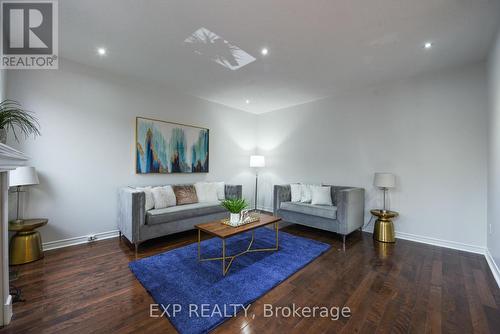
x=384, y=227
x=26, y=244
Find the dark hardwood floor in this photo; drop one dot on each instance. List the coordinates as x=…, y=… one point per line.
x=406, y=288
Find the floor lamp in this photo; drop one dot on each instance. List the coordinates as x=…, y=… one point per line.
x=257, y=161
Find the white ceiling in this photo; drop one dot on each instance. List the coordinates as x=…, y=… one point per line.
x=316, y=47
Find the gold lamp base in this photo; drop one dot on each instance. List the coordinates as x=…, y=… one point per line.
x=384, y=227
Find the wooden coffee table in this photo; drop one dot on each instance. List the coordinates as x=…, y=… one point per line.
x=222, y=231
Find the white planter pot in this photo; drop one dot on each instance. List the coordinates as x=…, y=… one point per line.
x=234, y=218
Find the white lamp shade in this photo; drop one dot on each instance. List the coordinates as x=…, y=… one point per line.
x=384, y=180
x=23, y=176
x=257, y=161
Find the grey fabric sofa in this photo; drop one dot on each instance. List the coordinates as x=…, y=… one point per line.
x=345, y=216
x=139, y=225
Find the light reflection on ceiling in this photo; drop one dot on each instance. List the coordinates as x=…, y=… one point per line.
x=207, y=43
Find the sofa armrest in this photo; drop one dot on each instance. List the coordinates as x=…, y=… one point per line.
x=233, y=191
x=282, y=193
x=350, y=209
x=131, y=212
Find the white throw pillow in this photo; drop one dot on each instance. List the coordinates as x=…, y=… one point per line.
x=221, y=190
x=206, y=191
x=321, y=195
x=163, y=197
x=150, y=203
x=305, y=193
x=296, y=192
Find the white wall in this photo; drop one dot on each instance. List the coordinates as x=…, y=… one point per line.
x=494, y=155
x=431, y=131
x=3, y=87
x=86, y=150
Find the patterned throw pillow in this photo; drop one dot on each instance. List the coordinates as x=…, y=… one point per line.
x=185, y=194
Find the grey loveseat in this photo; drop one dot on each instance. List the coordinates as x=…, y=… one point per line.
x=139, y=225
x=345, y=216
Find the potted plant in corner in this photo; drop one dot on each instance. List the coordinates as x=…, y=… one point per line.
x=234, y=206
x=13, y=115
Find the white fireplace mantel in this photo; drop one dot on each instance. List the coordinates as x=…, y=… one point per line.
x=9, y=159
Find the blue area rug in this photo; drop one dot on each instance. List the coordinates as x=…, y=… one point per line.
x=197, y=297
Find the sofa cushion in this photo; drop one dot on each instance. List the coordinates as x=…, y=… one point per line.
x=296, y=191
x=221, y=190
x=305, y=193
x=206, y=192
x=321, y=195
x=325, y=211
x=163, y=197
x=174, y=213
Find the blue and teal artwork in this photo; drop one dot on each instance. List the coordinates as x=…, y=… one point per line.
x=164, y=147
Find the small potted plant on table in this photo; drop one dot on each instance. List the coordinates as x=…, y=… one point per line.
x=234, y=206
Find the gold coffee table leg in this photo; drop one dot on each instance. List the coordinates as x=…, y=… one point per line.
x=199, y=241
x=277, y=233
x=230, y=258
x=224, y=270
x=25, y=247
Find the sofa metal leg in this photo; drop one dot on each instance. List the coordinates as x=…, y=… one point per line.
x=136, y=246
x=343, y=242
x=120, y=235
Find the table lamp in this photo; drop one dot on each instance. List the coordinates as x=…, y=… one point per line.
x=384, y=181
x=257, y=161
x=22, y=176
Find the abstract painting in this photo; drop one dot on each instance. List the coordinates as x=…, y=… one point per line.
x=165, y=147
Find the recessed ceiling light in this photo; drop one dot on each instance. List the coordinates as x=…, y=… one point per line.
x=247, y=101
x=428, y=45
x=101, y=51
x=264, y=51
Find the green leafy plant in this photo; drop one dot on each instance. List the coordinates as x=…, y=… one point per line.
x=12, y=116
x=234, y=205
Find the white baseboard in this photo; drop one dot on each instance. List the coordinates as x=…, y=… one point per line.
x=435, y=241
x=453, y=245
x=493, y=266
x=78, y=240
x=441, y=243
x=7, y=311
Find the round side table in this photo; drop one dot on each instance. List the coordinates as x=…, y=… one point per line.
x=384, y=227
x=26, y=244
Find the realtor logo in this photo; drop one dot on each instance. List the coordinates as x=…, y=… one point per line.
x=29, y=35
